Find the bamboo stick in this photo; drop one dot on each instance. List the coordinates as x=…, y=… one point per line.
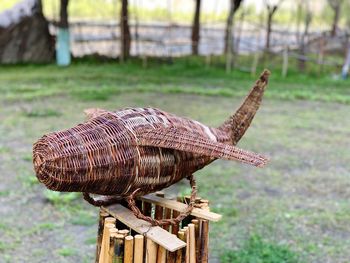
x=111, y=244
x=101, y=221
x=151, y=251
x=192, y=241
x=197, y=236
x=180, y=252
x=204, y=241
x=124, y=232
x=128, y=249
x=187, y=254
x=118, y=248
x=105, y=238
x=161, y=255
x=138, y=248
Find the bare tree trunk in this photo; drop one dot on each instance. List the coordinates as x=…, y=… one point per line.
x=196, y=28
x=335, y=20
x=271, y=10
x=268, y=31
x=302, y=48
x=125, y=37
x=63, y=23
x=234, y=5
x=336, y=6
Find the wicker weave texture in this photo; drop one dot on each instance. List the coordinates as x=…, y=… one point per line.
x=115, y=153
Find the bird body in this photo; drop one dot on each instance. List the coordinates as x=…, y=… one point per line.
x=115, y=153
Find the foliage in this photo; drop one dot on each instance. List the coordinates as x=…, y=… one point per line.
x=256, y=250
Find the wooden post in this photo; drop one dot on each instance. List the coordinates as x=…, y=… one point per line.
x=129, y=249
x=197, y=236
x=161, y=255
x=204, y=241
x=101, y=221
x=255, y=63
x=321, y=54
x=187, y=256
x=144, y=61
x=118, y=249
x=285, y=62
x=180, y=252
x=111, y=243
x=124, y=232
x=158, y=214
x=208, y=60
x=109, y=223
x=151, y=251
x=138, y=249
x=192, y=241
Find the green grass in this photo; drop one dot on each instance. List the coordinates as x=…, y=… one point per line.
x=58, y=198
x=256, y=250
x=84, y=218
x=66, y=252
x=99, y=81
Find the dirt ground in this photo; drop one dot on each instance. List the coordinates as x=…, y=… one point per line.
x=301, y=199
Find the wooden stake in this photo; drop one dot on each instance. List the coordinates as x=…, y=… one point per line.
x=254, y=64
x=187, y=254
x=112, y=233
x=138, y=249
x=128, y=249
x=161, y=255
x=118, y=249
x=151, y=251
x=285, y=62
x=101, y=221
x=180, y=252
x=192, y=242
x=124, y=232
x=197, y=236
x=105, y=238
x=204, y=241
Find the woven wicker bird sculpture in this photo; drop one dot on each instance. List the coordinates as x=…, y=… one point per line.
x=139, y=149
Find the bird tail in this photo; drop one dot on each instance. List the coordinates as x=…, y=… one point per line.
x=239, y=122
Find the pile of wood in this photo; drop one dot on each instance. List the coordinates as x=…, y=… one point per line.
x=126, y=239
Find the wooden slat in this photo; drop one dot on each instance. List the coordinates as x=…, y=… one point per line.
x=155, y=233
x=197, y=212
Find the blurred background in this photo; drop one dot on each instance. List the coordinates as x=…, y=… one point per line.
x=195, y=58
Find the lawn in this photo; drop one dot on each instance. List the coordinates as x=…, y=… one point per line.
x=296, y=209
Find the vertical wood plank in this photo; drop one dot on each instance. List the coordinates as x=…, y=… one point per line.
x=151, y=251
x=138, y=248
x=128, y=249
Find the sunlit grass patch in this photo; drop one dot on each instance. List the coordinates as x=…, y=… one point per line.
x=58, y=198
x=41, y=113
x=256, y=250
x=66, y=252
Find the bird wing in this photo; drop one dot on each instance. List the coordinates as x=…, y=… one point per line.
x=183, y=140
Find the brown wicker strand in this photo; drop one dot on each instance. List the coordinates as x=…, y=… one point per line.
x=168, y=221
